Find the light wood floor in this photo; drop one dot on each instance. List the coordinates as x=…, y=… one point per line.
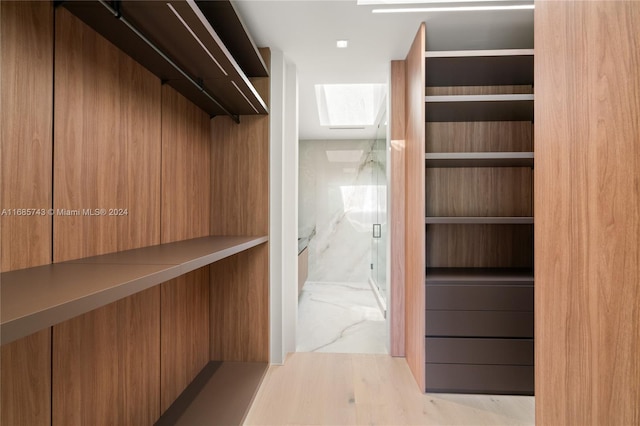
x=354, y=389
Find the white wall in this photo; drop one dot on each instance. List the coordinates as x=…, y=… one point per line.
x=283, y=206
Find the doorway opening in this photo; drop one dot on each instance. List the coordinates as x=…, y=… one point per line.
x=342, y=224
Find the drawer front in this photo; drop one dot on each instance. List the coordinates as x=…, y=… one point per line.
x=480, y=297
x=479, y=351
x=491, y=379
x=479, y=324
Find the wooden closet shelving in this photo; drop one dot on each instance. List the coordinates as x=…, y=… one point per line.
x=478, y=320
x=479, y=159
x=36, y=298
x=177, y=41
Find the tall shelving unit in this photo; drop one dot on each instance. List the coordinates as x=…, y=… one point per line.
x=479, y=221
x=136, y=289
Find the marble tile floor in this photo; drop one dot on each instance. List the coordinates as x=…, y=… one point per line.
x=338, y=317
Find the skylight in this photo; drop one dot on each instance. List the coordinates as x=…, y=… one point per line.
x=343, y=105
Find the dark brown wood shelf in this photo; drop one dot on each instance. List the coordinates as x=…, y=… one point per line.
x=175, y=42
x=226, y=22
x=456, y=108
x=35, y=298
x=480, y=220
x=479, y=159
x=479, y=275
x=220, y=395
x=479, y=67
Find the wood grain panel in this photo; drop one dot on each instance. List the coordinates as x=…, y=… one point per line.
x=396, y=205
x=240, y=307
x=186, y=168
x=482, y=191
x=107, y=145
x=25, y=374
x=240, y=176
x=480, y=136
x=240, y=170
x=480, y=246
x=184, y=332
x=414, y=208
x=587, y=199
x=478, y=90
x=26, y=64
x=106, y=364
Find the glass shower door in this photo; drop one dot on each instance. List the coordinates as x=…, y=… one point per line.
x=380, y=227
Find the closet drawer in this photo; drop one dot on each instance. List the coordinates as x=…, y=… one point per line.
x=498, y=379
x=479, y=324
x=479, y=351
x=480, y=297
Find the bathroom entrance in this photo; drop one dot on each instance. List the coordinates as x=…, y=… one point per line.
x=342, y=222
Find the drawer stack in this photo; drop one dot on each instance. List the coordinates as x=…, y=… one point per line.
x=479, y=326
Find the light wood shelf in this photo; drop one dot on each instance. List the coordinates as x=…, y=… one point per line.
x=479, y=159
x=39, y=297
x=453, y=108
x=175, y=41
x=479, y=67
x=467, y=220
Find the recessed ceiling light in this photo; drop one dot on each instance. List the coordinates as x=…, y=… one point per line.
x=454, y=9
x=342, y=44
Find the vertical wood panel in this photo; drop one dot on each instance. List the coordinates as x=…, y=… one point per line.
x=186, y=168
x=25, y=377
x=479, y=136
x=106, y=364
x=240, y=170
x=414, y=208
x=587, y=201
x=184, y=337
x=396, y=205
x=240, y=307
x=107, y=145
x=480, y=246
x=240, y=176
x=479, y=191
x=26, y=64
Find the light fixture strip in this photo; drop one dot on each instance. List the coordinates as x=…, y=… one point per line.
x=244, y=96
x=454, y=9
x=175, y=12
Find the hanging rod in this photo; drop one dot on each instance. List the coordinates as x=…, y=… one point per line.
x=116, y=13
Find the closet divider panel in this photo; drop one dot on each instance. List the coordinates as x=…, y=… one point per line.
x=26, y=64
x=184, y=344
x=186, y=168
x=415, y=208
x=186, y=189
x=240, y=169
x=239, y=329
x=587, y=202
x=25, y=377
x=107, y=146
x=240, y=307
x=106, y=364
x=396, y=205
x=26, y=37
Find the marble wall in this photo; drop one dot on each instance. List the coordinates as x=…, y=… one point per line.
x=342, y=193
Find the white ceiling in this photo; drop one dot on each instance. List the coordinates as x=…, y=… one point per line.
x=307, y=30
